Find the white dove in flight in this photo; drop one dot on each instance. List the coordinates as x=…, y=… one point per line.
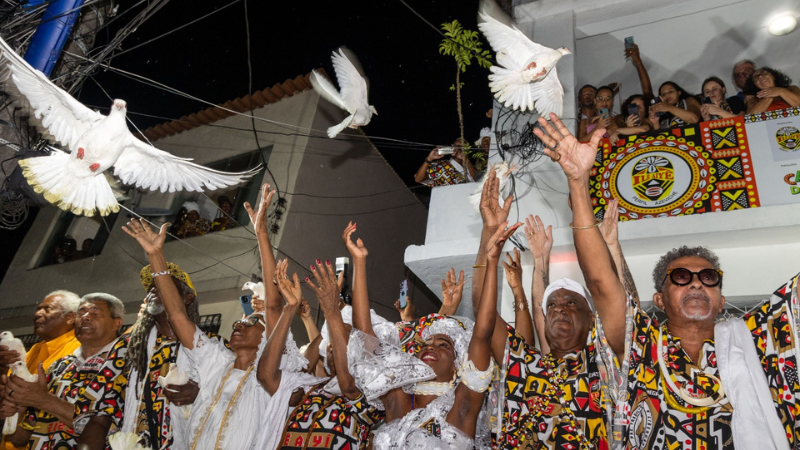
x=354, y=97
x=75, y=181
x=503, y=171
x=20, y=369
x=525, y=75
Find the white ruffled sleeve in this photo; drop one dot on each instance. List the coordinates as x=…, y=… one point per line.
x=378, y=367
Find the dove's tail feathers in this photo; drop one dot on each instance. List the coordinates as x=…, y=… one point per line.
x=336, y=129
x=475, y=200
x=10, y=425
x=124, y=441
x=50, y=176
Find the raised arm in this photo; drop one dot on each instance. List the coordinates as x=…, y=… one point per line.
x=468, y=402
x=522, y=316
x=153, y=245
x=304, y=312
x=493, y=216
x=274, y=302
x=452, y=289
x=644, y=77
x=361, y=316
x=609, y=229
x=269, y=366
x=540, y=241
x=325, y=287
x=597, y=265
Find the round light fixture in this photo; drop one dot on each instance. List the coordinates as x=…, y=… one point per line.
x=781, y=25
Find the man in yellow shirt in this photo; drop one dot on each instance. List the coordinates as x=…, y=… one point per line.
x=54, y=322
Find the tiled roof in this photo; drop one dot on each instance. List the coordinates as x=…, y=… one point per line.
x=242, y=104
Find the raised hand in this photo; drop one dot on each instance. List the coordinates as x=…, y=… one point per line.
x=610, y=223
x=356, y=249
x=576, y=159
x=150, y=241
x=287, y=287
x=513, y=269
x=407, y=313
x=452, y=289
x=324, y=286
x=304, y=311
x=540, y=239
x=492, y=214
x=259, y=218
x=494, y=245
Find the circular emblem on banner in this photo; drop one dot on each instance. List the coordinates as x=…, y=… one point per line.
x=657, y=178
x=788, y=138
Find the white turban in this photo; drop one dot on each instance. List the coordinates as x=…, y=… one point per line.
x=570, y=285
x=485, y=132
x=191, y=206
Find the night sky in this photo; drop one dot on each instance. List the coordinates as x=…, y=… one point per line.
x=409, y=79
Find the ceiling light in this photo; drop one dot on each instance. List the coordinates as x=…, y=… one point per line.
x=782, y=25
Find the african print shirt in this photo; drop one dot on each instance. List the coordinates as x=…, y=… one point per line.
x=552, y=404
x=326, y=420
x=660, y=418
x=443, y=173
x=66, y=379
x=105, y=396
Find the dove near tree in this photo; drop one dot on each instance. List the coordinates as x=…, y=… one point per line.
x=353, y=95
x=525, y=76
x=75, y=181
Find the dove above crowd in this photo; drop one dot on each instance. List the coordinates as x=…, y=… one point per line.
x=581, y=367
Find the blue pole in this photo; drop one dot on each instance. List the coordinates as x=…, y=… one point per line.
x=52, y=33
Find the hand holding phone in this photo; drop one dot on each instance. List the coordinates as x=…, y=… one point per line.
x=633, y=110
x=247, y=306
x=404, y=294
x=628, y=42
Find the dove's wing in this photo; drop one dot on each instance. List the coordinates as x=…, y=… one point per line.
x=548, y=94
x=352, y=84
x=145, y=166
x=327, y=90
x=15, y=345
x=64, y=117
x=510, y=40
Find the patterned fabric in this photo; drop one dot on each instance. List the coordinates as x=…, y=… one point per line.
x=66, y=379
x=442, y=173
x=552, y=404
x=660, y=418
x=325, y=420
x=670, y=120
x=105, y=396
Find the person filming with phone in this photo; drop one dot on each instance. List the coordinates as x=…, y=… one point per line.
x=604, y=105
x=444, y=166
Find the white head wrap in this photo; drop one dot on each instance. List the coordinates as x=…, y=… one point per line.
x=570, y=285
x=191, y=206
x=459, y=329
x=485, y=132
x=383, y=329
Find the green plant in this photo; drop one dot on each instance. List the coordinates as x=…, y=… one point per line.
x=464, y=46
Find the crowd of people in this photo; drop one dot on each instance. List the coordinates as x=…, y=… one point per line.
x=190, y=222
x=759, y=89
x=583, y=367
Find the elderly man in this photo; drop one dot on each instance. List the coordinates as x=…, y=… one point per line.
x=742, y=71
x=126, y=393
x=687, y=378
x=564, y=397
x=48, y=423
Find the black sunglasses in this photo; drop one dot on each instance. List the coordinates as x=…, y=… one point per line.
x=682, y=277
x=248, y=322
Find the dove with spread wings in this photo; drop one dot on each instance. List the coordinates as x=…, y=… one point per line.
x=75, y=181
x=525, y=75
x=354, y=95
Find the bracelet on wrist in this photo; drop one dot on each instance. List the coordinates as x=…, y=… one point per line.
x=597, y=223
x=428, y=161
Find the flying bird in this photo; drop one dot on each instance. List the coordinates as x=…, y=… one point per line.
x=19, y=369
x=353, y=97
x=125, y=441
x=256, y=288
x=75, y=181
x=525, y=75
x=503, y=171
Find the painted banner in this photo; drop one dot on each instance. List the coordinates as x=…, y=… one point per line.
x=777, y=157
x=690, y=170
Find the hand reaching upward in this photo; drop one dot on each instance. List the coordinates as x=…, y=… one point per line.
x=287, y=286
x=259, y=218
x=576, y=159
x=356, y=249
x=150, y=241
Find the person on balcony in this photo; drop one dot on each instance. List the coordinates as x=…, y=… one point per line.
x=717, y=106
x=742, y=71
x=604, y=107
x=627, y=123
x=676, y=108
x=441, y=169
x=772, y=90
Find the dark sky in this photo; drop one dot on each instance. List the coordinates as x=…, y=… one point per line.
x=409, y=79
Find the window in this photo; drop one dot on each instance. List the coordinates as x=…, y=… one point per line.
x=75, y=237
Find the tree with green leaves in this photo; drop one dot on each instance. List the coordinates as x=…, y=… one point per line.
x=464, y=46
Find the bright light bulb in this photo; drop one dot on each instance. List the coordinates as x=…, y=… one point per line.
x=782, y=25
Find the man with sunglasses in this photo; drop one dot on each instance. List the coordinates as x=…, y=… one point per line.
x=689, y=375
